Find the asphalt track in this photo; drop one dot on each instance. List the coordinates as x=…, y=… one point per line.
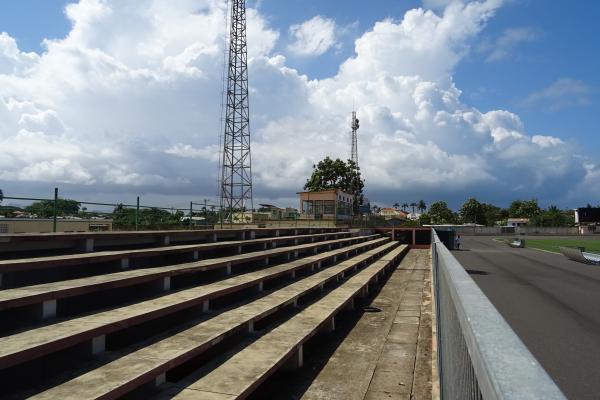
x=552, y=303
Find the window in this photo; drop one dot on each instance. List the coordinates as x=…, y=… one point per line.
x=329, y=207
x=307, y=207
x=3, y=228
x=318, y=207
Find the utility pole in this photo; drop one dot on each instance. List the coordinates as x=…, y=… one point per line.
x=236, y=169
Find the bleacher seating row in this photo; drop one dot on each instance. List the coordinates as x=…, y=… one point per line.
x=118, y=329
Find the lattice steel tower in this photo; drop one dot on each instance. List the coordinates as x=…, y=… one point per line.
x=236, y=169
x=354, y=150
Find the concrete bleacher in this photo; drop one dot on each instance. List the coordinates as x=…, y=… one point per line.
x=11, y=244
x=51, y=292
x=580, y=256
x=135, y=326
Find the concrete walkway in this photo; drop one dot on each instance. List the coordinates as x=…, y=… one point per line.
x=387, y=354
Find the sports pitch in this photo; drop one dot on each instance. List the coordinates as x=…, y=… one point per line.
x=591, y=245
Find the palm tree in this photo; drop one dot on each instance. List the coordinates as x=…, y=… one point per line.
x=404, y=206
x=422, y=206
x=413, y=205
x=396, y=206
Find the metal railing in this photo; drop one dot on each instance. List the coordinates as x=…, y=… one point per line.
x=479, y=355
x=213, y=214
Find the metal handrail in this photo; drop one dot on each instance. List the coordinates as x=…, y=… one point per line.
x=497, y=365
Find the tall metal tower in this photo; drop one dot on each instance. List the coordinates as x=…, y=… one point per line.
x=354, y=150
x=236, y=169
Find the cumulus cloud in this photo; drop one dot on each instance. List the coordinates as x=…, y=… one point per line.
x=563, y=93
x=129, y=101
x=313, y=37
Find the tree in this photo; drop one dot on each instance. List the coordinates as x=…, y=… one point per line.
x=148, y=218
x=492, y=214
x=425, y=219
x=396, y=206
x=553, y=217
x=472, y=211
x=1, y=196
x=413, y=205
x=440, y=213
x=524, y=209
x=337, y=174
x=45, y=208
x=421, y=206
x=404, y=206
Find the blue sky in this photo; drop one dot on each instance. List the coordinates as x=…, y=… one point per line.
x=565, y=45
x=536, y=59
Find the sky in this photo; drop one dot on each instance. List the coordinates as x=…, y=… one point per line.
x=496, y=99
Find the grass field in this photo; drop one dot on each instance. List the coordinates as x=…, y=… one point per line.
x=590, y=245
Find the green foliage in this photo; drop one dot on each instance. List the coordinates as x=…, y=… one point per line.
x=472, y=212
x=493, y=214
x=1, y=196
x=8, y=211
x=149, y=218
x=591, y=245
x=524, y=209
x=411, y=224
x=336, y=174
x=45, y=208
x=421, y=206
x=425, y=219
x=553, y=217
x=441, y=214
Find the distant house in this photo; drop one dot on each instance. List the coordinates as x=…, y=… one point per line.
x=413, y=216
x=331, y=204
x=392, y=213
x=587, y=219
x=273, y=211
x=517, y=222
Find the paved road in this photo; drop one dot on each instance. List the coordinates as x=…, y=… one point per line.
x=552, y=303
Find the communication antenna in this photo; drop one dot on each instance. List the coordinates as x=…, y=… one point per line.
x=354, y=147
x=236, y=169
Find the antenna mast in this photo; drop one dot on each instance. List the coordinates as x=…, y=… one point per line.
x=236, y=170
x=354, y=150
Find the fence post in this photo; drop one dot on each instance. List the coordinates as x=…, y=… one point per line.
x=191, y=211
x=137, y=214
x=55, y=209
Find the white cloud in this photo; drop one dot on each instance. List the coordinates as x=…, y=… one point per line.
x=129, y=102
x=313, y=37
x=189, y=151
x=563, y=93
x=503, y=47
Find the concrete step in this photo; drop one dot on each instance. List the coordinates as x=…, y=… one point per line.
x=133, y=258
x=241, y=374
x=14, y=244
x=47, y=295
x=152, y=362
x=35, y=343
x=380, y=346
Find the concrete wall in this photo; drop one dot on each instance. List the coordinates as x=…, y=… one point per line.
x=25, y=225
